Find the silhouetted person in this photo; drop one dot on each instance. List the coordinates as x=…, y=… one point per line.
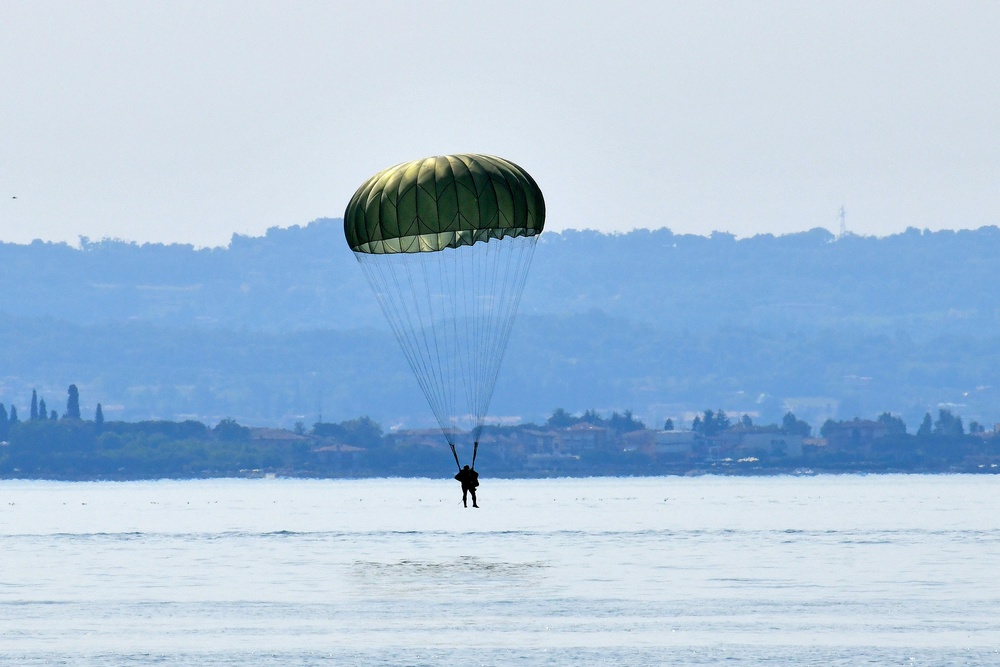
x=470, y=480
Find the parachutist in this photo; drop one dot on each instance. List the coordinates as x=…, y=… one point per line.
x=445, y=243
x=470, y=480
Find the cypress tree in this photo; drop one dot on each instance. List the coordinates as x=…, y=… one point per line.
x=926, y=426
x=34, y=405
x=73, y=403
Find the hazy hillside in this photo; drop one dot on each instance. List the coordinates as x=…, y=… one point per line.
x=271, y=329
x=305, y=277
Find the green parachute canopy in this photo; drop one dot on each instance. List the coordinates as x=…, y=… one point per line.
x=446, y=201
x=446, y=243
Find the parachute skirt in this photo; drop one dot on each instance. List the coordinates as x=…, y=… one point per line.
x=434, y=241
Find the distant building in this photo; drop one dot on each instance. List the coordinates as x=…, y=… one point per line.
x=856, y=435
x=425, y=437
x=756, y=441
x=338, y=455
x=584, y=437
x=539, y=442
x=278, y=439
x=661, y=444
x=673, y=443
x=770, y=443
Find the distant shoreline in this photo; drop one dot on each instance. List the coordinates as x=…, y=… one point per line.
x=446, y=475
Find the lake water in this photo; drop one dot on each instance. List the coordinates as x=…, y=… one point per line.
x=826, y=570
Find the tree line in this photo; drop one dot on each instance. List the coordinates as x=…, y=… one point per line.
x=68, y=446
x=946, y=425
x=40, y=411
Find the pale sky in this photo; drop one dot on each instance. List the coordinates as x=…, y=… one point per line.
x=189, y=121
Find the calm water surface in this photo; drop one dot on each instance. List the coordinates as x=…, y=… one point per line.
x=827, y=570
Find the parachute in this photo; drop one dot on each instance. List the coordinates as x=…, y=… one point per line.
x=446, y=243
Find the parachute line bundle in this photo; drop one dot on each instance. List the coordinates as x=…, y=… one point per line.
x=446, y=244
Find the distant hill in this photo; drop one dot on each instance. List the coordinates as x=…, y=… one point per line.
x=270, y=330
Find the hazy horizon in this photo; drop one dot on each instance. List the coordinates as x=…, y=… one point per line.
x=189, y=122
x=76, y=242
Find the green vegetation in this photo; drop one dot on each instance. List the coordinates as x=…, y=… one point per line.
x=587, y=444
x=269, y=330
